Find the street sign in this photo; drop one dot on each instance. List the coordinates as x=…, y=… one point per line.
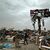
x=33, y=12
x=45, y=12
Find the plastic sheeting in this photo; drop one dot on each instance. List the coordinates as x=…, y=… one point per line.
x=7, y=45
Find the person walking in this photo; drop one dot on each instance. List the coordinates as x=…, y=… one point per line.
x=17, y=39
x=25, y=38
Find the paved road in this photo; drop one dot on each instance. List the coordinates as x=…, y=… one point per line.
x=25, y=47
x=30, y=46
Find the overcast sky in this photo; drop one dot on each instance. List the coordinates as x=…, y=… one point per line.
x=16, y=13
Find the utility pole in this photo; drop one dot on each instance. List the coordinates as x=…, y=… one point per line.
x=39, y=25
x=34, y=26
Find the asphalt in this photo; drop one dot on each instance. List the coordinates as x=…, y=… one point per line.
x=24, y=47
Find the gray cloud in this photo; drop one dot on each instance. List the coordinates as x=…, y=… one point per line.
x=16, y=13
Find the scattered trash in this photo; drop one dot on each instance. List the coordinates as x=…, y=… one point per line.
x=1, y=46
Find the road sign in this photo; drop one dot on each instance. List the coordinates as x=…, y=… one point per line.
x=44, y=12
